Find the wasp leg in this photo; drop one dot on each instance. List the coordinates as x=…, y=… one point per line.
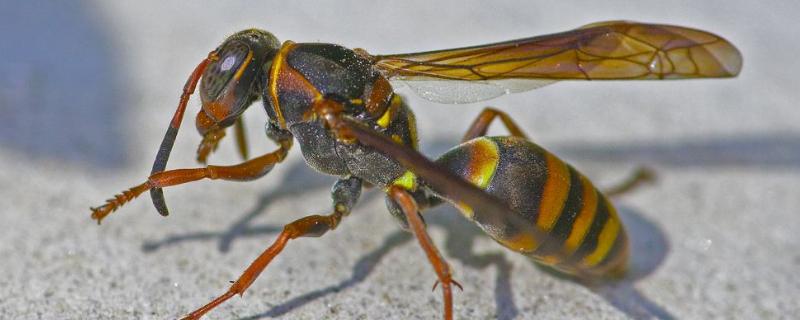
x=481, y=124
x=641, y=176
x=241, y=138
x=209, y=143
x=409, y=207
x=212, y=138
x=172, y=131
x=345, y=194
x=244, y=171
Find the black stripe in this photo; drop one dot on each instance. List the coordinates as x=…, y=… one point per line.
x=572, y=206
x=590, y=240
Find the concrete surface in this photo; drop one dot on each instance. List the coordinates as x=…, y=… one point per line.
x=87, y=89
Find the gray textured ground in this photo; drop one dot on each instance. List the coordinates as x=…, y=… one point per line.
x=86, y=92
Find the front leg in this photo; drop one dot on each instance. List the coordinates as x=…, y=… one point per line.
x=345, y=194
x=248, y=170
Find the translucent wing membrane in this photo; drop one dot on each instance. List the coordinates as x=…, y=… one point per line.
x=600, y=51
x=463, y=91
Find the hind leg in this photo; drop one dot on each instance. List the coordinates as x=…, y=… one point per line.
x=344, y=193
x=481, y=124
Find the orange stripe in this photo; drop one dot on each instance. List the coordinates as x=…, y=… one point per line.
x=556, y=190
x=585, y=217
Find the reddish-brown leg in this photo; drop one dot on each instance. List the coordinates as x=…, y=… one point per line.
x=311, y=226
x=241, y=138
x=639, y=177
x=481, y=124
x=410, y=209
x=209, y=143
x=214, y=134
x=244, y=171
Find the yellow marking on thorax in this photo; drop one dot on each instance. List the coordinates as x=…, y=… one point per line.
x=247, y=61
x=387, y=116
x=606, y=239
x=585, y=217
x=554, y=195
x=397, y=139
x=277, y=64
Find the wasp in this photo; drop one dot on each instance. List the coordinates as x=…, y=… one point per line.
x=340, y=107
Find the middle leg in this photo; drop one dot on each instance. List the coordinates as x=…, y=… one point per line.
x=345, y=194
x=409, y=207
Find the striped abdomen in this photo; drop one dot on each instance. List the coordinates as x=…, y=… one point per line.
x=550, y=194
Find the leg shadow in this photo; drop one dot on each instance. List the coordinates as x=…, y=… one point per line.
x=461, y=236
x=361, y=271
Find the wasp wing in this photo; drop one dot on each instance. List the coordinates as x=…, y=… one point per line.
x=610, y=50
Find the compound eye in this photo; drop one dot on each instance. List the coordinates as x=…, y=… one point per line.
x=229, y=67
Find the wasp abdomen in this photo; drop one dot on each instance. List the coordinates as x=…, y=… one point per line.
x=547, y=192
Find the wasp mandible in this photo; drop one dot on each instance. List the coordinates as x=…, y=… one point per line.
x=339, y=105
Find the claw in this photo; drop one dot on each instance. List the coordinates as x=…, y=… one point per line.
x=451, y=281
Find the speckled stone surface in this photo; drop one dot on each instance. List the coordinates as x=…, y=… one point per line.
x=87, y=90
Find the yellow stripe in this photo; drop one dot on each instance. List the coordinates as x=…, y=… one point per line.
x=523, y=242
x=246, y=62
x=585, y=217
x=387, y=116
x=483, y=162
x=466, y=210
x=606, y=239
x=556, y=190
x=277, y=64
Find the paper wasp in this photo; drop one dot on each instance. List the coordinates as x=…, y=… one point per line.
x=339, y=105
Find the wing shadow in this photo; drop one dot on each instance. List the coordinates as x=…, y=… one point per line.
x=767, y=150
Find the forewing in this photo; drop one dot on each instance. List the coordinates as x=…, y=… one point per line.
x=600, y=51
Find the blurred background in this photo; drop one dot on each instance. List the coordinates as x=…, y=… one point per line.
x=87, y=89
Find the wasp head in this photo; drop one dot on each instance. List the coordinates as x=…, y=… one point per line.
x=232, y=80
